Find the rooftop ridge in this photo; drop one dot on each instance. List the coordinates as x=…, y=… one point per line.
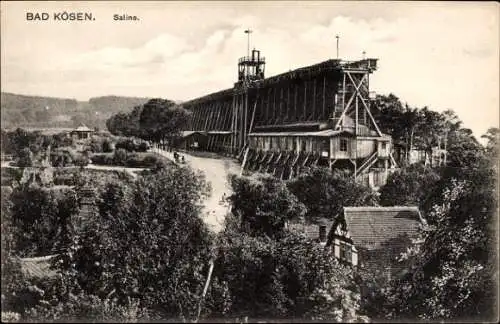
x=381, y=208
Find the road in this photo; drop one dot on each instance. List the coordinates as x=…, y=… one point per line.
x=216, y=171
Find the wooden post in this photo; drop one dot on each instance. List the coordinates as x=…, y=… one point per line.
x=206, y=118
x=281, y=104
x=296, y=92
x=209, y=276
x=274, y=105
x=323, y=114
x=314, y=101
x=246, y=118
x=305, y=100
x=288, y=108
x=267, y=104
x=356, y=118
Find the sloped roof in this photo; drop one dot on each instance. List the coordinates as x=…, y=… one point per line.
x=322, y=133
x=37, y=267
x=189, y=133
x=82, y=128
x=370, y=227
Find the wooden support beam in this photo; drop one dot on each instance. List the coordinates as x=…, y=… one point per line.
x=218, y=124
x=314, y=100
x=296, y=93
x=206, y=117
x=267, y=115
x=305, y=100
x=275, y=117
x=227, y=118
x=288, y=108
x=212, y=117
x=323, y=113
x=233, y=123
x=200, y=118
x=280, y=116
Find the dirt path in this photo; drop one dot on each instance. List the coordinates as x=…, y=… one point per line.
x=216, y=171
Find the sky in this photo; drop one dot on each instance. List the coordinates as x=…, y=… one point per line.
x=443, y=55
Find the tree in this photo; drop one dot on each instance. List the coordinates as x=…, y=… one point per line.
x=325, y=193
x=431, y=128
x=148, y=244
x=42, y=219
x=455, y=273
x=493, y=138
x=25, y=158
x=409, y=186
x=264, y=204
x=162, y=119
x=464, y=151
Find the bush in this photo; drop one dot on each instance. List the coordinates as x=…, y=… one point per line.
x=25, y=158
x=131, y=145
x=96, y=145
x=143, y=147
x=131, y=160
x=102, y=159
x=107, y=146
x=62, y=159
x=120, y=156
x=81, y=161
x=10, y=176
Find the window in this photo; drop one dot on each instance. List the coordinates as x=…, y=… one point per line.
x=345, y=252
x=342, y=251
x=343, y=144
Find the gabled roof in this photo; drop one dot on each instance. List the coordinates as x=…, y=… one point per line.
x=370, y=227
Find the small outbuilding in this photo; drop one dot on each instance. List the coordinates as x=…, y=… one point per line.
x=81, y=132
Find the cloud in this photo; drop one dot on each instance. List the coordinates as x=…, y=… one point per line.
x=443, y=57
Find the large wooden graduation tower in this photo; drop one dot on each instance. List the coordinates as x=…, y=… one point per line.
x=315, y=115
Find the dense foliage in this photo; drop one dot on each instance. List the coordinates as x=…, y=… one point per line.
x=156, y=120
x=454, y=274
x=148, y=244
x=123, y=158
x=410, y=186
x=264, y=205
x=293, y=278
x=41, y=219
x=325, y=193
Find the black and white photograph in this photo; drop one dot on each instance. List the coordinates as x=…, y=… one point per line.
x=250, y=161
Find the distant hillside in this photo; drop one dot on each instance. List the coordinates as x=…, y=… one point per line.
x=33, y=111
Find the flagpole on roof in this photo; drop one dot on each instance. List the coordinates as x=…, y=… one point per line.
x=337, y=37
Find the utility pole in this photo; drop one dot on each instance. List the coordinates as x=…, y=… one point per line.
x=337, y=37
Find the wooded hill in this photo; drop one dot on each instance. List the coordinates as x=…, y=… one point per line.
x=36, y=111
